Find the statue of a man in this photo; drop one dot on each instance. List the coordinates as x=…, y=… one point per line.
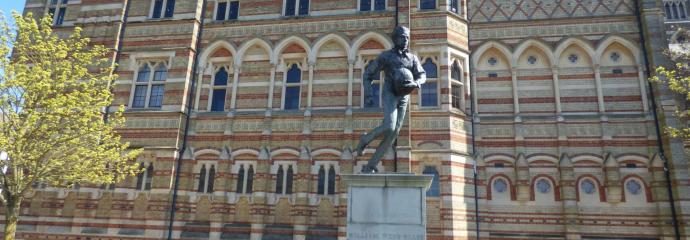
x=403, y=74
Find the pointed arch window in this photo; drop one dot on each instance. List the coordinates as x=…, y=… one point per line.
x=219, y=91
x=326, y=180
x=206, y=179
x=457, y=87
x=429, y=91
x=245, y=178
x=667, y=8
x=284, y=177
x=376, y=84
x=293, y=82
x=149, y=88
x=435, y=188
x=145, y=176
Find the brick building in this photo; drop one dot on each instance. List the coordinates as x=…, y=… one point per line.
x=248, y=112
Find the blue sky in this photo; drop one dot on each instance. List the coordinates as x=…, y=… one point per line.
x=8, y=5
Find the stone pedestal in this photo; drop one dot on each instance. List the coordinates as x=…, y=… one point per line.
x=386, y=206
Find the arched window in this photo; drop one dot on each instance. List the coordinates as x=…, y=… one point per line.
x=206, y=178
x=435, y=188
x=500, y=189
x=427, y=4
x=321, y=179
x=292, y=87
x=331, y=180
x=635, y=191
x=149, y=89
x=375, y=89
x=220, y=82
x=457, y=93
x=429, y=89
x=145, y=177
x=543, y=190
x=245, y=178
x=667, y=7
x=682, y=10
x=674, y=10
x=284, y=176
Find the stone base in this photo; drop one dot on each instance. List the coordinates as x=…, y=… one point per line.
x=386, y=206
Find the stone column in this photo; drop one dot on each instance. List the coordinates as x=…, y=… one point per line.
x=600, y=94
x=613, y=180
x=568, y=197
x=516, y=103
x=271, y=86
x=643, y=88
x=350, y=81
x=523, y=178
x=310, y=87
x=235, y=82
x=556, y=89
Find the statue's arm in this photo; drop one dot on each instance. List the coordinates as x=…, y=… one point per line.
x=418, y=72
x=373, y=68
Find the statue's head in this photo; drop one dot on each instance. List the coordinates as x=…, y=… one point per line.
x=401, y=37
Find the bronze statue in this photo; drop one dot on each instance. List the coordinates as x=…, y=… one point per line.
x=403, y=74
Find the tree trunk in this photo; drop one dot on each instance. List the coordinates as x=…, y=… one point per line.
x=11, y=217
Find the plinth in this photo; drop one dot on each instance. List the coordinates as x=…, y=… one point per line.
x=386, y=206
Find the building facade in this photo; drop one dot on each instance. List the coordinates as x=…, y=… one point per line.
x=536, y=119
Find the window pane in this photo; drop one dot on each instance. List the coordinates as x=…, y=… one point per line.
x=288, y=179
x=156, y=99
x=279, y=180
x=149, y=177
x=331, y=180
x=455, y=72
x=303, y=7
x=292, y=97
x=454, y=6
x=428, y=4
x=61, y=16
x=218, y=100
x=211, y=179
x=429, y=94
x=169, y=8
x=140, y=176
x=250, y=179
x=53, y=2
x=379, y=5
x=294, y=75
x=139, y=96
x=221, y=77
x=202, y=179
x=234, y=10
x=143, y=75
x=157, y=9
x=365, y=5
x=321, y=181
x=290, y=7
x=220, y=11
x=430, y=68
x=682, y=10
x=667, y=6
x=161, y=74
x=434, y=189
x=240, y=180
x=65, y=1
x=456, y=94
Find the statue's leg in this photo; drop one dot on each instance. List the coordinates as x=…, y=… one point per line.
x=387, y=128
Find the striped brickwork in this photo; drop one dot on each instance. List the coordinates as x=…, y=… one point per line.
x=554, y=108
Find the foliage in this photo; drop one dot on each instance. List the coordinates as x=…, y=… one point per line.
x=53, y=91
x=677, y=78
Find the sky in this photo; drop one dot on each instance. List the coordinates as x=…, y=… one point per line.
x=6, y=6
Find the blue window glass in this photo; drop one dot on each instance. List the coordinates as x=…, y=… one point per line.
x=279, y=180
x=139, y=96
x=61, y=16
x=161, y=74
x=143, y=75
x=51, y=12
x=240, y=180
x=157, y=9
x=428, y=4
x=53, y=2
x=234, y=10
x=321, y=181
x=455, y=72
x=290, y=7
x=379, y=5
x=288, y=179
x=218, y=100
x=169, y=8
x=456, y=96
x=434, y=189
x=220, y=11
x=365, y=5
x=292, y=97
x=140, y=176
x=294, y=75
x=454, y=6
x=429, y=95
x=65, y=1
x=303, y=7
x=376, y=94
x=221, y=77
x=331, y=180
x=156, y=99
x=430, y=68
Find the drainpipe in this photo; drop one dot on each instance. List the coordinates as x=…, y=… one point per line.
x=118, y=51
x=472, y=107
x=667, y=173
x=188, y=114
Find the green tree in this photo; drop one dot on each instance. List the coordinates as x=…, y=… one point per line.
x=677, y=78
x=53, y=92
